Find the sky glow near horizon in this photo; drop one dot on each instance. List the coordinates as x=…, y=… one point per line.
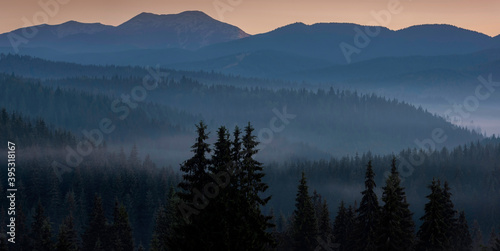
x=259, y=16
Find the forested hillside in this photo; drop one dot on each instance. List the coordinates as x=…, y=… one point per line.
x=180, y=132
x=133, y=203
x=335, y=122
x=79, y=110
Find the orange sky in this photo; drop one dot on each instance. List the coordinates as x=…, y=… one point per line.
x=258, y=16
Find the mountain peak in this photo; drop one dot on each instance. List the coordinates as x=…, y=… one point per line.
x=74, y=27
x=152, y=17
x=439, y=30
x=187, y=30
x=194, y=13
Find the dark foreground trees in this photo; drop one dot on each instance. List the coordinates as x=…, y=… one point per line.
x=305, y=228
x=374, y=227
x=442, y=227
x=220, y=207
x=397, y=228
x=221, y=197
x=367, y=222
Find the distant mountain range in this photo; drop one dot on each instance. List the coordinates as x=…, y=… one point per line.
x=195, y=31
x=187, y=30
x=194, y=41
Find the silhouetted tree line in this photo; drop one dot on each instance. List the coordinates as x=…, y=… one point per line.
x=472, y=171
x=353, y=121
x=79, y=110
x=117, y=201
x=16, y=128
x=374, y=227
x=32, y=67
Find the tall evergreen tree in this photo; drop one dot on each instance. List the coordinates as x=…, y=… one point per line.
x=195, y=176
x=350, y=228
x=305, y=229
x=232, y=219
x=167, y=220
x=324, y=223
x=121, y=231
x=192, y=198
x=41, y=230
x=317, y=202
x=67, y=239
x=96, y=234
x=449, y=215
x=340, y=227
x=463, y=239
x=222, y=207
x=256, y=236
x=396, y=230
x=477, y=236
x=432, y=234
x=237, y=213
x=368, y=215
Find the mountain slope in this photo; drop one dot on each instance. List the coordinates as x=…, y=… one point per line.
x=324, y=40
x=198, y=37
x=187, y=30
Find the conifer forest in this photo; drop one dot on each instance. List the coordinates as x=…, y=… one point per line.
x=237, y=125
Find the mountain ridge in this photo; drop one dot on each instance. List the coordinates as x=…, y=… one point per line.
x=193, y=36
x=187, y=30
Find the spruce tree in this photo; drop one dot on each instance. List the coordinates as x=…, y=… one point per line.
x=195, y=176
x=41, y=230
x=256, y=236
x=167, y=220
x=368, y=214
x=340, y=227
x=192, y=198
x=237, y=212
x=317, y=202
x=67, y=239
x=432, y=234
x=324, y=223
x=463, y=239
x=396, y=230
x=121, y=231
x=305, y=229
x=477, y=236
x=449, y=215
x=160, y=231
x=350, y=228
x=96, y=235
x=222, y=207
